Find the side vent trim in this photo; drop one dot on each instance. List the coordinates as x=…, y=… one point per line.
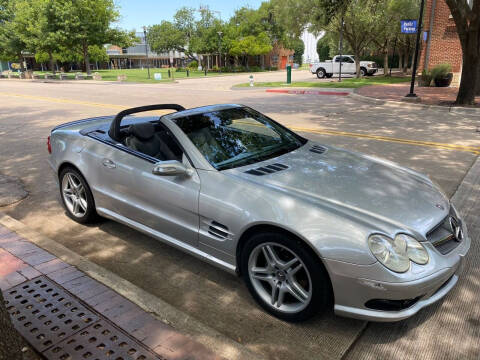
x=218, y=230
x=318, y=149
x=267, y=169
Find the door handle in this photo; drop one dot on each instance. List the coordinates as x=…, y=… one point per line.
x=109, y=164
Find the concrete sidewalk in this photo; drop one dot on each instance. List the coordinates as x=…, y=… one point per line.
x=42, y=292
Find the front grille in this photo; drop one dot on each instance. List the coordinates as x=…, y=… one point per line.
x=443, y=237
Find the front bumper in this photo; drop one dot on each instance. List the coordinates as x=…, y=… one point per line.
x=354, y=286
x=372, y=71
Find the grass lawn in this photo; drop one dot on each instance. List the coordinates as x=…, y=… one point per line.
x=139, y=75
x=345, y=83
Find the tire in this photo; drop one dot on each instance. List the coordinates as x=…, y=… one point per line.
x=328, y=76
x=363, y=72
x=321, y=73
x=79, y=205
x=309, y=281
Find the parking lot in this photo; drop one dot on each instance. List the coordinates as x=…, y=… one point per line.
x=443, y=145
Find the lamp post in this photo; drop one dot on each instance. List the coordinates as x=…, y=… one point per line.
x=220, y=33
x=340, y=50
x=412, y=83
x=146, y=49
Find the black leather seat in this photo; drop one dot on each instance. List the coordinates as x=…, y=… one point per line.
x=142, y=138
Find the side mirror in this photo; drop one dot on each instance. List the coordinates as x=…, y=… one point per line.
x=171, y=168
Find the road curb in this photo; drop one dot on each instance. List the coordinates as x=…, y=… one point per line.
x=408, y=105
x=308, y=92
x=189, y=326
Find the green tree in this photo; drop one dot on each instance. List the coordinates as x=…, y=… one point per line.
x=37, y=25
x=251, y=45
x=88, y=26
x=298, y=48
x=11, y=45
x=323, y=48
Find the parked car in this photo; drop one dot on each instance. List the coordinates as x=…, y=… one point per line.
x=330, y=67
x=305, y=224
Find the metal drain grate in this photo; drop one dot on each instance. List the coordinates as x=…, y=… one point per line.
x=97, y=342
x=44, y=313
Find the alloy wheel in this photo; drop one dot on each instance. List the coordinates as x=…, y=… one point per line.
x=74, y=195
x=280, y=277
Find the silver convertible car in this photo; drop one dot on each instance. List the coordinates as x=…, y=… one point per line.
x=306, y=225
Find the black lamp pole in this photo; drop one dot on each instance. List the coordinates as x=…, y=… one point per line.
x=146, y=49
x=417, y=46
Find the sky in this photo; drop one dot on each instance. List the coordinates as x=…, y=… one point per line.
x=137, y=13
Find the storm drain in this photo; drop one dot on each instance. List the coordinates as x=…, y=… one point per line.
x=60, y=327
x=99, y=341
x=45, y=314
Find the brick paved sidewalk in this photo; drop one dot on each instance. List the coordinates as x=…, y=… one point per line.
x=65, y=314
x=427, y=95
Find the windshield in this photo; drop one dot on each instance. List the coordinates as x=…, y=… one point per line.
x=236, y=137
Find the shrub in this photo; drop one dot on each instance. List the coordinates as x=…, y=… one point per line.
x=180, y=69
x=193, y=64
x=441, y=71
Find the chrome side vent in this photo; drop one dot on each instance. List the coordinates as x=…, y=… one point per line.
x=318, y=149
x=218, y=230
x=267, y=169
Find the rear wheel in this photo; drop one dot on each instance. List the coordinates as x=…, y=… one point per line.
x=284, y=277
x=320, y=73
x=76, y=196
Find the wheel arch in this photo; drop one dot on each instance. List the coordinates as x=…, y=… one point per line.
x=68, y=164
x=265, y=227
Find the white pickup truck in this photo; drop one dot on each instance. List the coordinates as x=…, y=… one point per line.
x=330, y=67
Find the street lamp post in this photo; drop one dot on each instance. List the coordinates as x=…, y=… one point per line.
x=417, y=46
x=146, y=49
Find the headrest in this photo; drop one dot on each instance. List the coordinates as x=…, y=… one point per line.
x=143, y=131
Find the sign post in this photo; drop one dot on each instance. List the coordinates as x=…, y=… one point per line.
x=417, y=48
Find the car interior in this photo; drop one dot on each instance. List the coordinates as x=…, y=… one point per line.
x=153, y=140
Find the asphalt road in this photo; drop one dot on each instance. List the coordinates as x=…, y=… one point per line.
x=440, y=144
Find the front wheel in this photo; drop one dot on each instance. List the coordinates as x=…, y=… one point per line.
x=76, y=196
x=363, y=72
x=329, y=76
x=320, y=73
x=284, y=277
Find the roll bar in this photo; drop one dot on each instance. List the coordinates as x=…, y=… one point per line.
x=114, y=130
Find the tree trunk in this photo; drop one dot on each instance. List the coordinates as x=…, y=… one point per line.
x=385, y=62
x=20, y=57
x=470, y=68
x=86, y=58
x=52, y=63
x=477, y=92
x=357, y=63
x=10, y=341
x=400, y=61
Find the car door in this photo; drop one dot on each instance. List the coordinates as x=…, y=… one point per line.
x=129, y=191
x=348, y=65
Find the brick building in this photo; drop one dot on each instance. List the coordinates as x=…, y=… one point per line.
x=442, y=44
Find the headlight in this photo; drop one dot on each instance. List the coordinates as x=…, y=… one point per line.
x=391, y=253
x=415, y=251
x=396, y=253
x=369, y=65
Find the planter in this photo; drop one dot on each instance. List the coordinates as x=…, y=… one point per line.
x=445, y=81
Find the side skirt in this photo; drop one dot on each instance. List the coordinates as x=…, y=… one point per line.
x=168, y=240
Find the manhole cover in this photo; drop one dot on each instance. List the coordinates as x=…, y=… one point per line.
x=97, y=342
x=44, y=313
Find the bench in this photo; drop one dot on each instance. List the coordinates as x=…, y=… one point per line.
x=63, y=76
x=79, y=76
x=122, y=78
x=49, y=76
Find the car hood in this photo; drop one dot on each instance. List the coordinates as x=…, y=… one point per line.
x=358, y=184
